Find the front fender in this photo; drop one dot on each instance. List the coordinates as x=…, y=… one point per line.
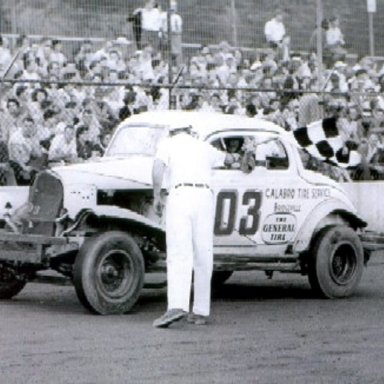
x=115, y=212
x=327, y=212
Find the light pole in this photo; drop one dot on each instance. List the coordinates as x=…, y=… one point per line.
x=371, y=8
x=234, y=23
x=170, y=70
x=319, y=43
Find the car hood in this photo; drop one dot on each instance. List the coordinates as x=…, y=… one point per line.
x=109, y=172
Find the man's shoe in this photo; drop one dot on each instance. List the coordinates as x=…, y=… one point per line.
x=169, y=317
x=197, y=319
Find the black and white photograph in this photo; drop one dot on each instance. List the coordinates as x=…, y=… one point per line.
x=190, y=192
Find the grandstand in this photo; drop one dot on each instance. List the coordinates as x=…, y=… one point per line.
x=206, y=22
x=71, y=70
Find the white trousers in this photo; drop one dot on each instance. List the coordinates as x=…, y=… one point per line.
x=189, y=229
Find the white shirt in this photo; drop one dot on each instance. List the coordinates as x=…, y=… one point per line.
x=188, y=159
x=151, y=19
x=21, y=149
x=334, y=36
x=274, y=30
x=60, y=149
x=59, y=57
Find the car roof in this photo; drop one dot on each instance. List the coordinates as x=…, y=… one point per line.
x=205, y=123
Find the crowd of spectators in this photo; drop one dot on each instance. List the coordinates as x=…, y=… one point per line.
x=57, y=107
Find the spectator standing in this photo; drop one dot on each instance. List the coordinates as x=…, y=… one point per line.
x=43, y=55
x=276, y=36
x=31, y=72
x=136, y=19
x=144, y=67
x=335, y=40
x=83, y=57
x=5, y=56
x=150, y=24
x=176, y=23
x=322, y=29
x=57, y=54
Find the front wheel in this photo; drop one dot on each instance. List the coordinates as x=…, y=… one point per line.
x=336, y=263
x=109, y=273
x=10, y=284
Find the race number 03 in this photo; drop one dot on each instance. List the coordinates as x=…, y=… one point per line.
x=226, y=206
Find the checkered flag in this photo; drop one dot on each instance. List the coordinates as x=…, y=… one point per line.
x=322, y=140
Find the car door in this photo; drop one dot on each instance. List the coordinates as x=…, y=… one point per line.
x=249, y=217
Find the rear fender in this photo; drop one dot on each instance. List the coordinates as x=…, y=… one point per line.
x=326, y=213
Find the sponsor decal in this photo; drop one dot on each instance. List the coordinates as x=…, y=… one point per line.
x=286, y=207
x=280, y=193
x=313, y=193
x=278, y=228
x=298, y=193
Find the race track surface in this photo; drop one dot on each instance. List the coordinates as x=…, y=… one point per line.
x=262, y=331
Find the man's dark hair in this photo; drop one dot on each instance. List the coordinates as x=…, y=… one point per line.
x=28, y=118
x=70, y=105
x=251, y=110
x=13, y=100
x=36, y=91
x=20, y=89
x=49, y=113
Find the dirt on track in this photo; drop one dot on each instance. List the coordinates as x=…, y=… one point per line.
x=262, y=331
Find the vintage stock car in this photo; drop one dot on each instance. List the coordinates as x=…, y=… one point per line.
x=94, y=224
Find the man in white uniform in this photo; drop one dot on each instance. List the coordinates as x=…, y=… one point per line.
x=189, y=221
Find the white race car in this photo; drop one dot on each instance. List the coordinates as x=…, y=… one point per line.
x=94, y=222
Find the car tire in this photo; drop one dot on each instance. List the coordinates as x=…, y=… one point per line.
x=219, y=278
x=109, y=273
x=10, y=285
x=336, y=263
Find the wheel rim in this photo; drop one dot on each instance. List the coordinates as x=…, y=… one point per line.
x=342, y=264
x=114, y=274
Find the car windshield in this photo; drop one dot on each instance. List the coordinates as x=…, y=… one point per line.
x=136, y=139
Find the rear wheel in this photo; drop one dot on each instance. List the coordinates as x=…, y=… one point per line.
x=10, y=284
x=109, y=273
x=337, y=261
